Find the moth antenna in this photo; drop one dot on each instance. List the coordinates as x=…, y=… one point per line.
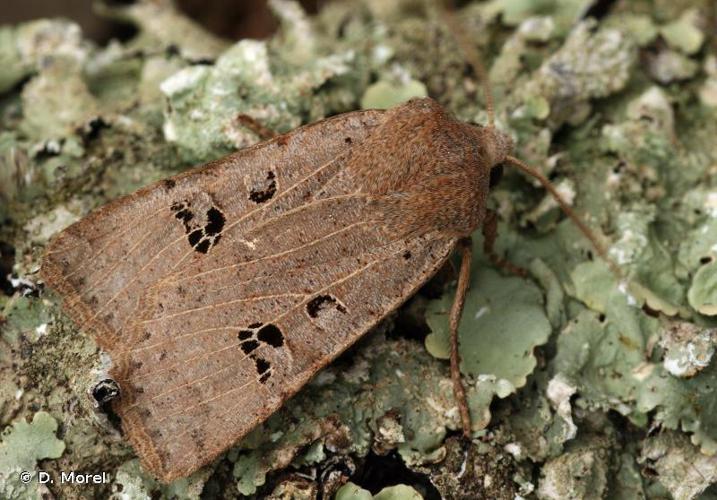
x=599, y=248
x=473, y=57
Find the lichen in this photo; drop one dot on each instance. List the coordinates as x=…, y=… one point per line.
x=399, y=492
x=22, y=446
x=496, y=351
x=680, y=467
x=422, y=404
x=580, y=382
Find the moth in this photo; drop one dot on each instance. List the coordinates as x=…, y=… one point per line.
x=220, y=292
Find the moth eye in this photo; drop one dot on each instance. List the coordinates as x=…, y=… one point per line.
x=105, y=391
x=496, y=174
x=321, y=303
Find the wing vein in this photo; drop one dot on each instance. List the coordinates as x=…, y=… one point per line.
x=274, y=320
x=264, y=207
x=221, y=304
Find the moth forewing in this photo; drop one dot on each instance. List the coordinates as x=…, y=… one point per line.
x=100, y=263
x=221, y=292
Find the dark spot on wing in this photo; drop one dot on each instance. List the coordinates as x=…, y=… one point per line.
x=200, y=238
x=321, y=303
x=215, y=222
x=262, y=365
x=248, y=346
x=203, y=246
x=194, y=237
x=271, y=335
x=265, y=192
x=197, y=439
x=185, y=216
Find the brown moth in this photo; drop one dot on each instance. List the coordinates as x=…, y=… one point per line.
x=220, y=292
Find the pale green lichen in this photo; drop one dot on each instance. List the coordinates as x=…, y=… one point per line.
x=563, y=12
x=350, y=491
x=680, y=467
x=205, y=102
x=57, y=103
x=496, y=350
x=384, y=94
x=688, y=348
x=162, y=26
x=589, y=65
x=22, y=446
x=708, y=92
x=579, y=473
x=702, y=294
x=26, y=48
x=619, y=111
x=670, y=66
x=131, y=482
x=684, y=34
x=399, y=492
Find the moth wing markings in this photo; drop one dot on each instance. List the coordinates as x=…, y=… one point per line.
x=282, y=203
x=104, y=236
x=180, y=444
x=230, y=193
x=258, y=212
x=276, y=238
x=286, y=278
x=214, y=382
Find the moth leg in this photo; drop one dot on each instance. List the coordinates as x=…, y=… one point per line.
x=256, y=127
x=490, y=232
x=459, y=393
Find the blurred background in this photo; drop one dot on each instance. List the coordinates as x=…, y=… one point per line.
x=231, y=19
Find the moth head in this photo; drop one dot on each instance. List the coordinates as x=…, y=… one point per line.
x=497, y=146
x=493, y=147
